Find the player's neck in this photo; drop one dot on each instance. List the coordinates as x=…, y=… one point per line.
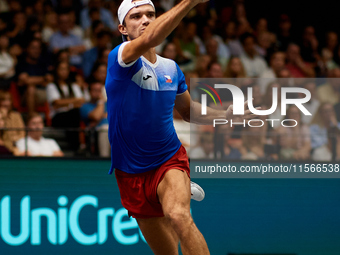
x=151, y=55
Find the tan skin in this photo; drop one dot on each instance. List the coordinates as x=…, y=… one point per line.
x=163, y=233
x=294, y=57
x=98, y=113
x=63, y=71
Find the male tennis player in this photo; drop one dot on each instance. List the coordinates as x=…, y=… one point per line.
x=151, y=165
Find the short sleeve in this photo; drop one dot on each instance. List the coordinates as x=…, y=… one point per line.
x=52, y=93
x=77, y=91
x=117, y=69
x=120, y=52
x=53, y=145
x=182, y=86
x=20, y=144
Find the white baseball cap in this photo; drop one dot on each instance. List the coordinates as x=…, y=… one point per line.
x=127, y=5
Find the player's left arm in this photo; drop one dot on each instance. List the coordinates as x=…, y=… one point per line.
x=191, y=111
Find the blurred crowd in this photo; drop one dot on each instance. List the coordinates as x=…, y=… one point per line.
x=53, y=61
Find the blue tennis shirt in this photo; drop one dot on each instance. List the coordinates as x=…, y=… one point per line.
x=140, y=102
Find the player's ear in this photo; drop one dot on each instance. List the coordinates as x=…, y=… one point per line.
x=122, y=29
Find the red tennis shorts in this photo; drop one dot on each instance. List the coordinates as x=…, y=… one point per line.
x=139, y=191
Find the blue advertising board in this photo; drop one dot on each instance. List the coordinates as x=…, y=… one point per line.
x=60, y=206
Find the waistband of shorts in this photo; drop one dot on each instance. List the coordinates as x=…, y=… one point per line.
x=125, y=174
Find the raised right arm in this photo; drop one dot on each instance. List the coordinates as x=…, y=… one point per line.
x=158, y=30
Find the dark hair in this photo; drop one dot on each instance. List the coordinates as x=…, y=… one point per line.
x=32, y=116
x=68, y=81
x=92, y=83
x=213, y=63
x=95, y=67
x=32, y=40
x=57, y=55
x=166, y=45
x=3, y=33
x=64, y=11
x=101, y=53
x=276, y=52
x=103, y=33
x=93, y=10
x=245, y=36
x=95, y=24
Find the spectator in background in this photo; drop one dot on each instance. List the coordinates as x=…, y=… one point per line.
x=35, y=143
x=253, y=141
x=103, y=56
x=64, y=39
x=75, y=75
x=331, y=42
x=105, y=15
x=212, y=50
x=103, y=41
x=313, y=104
x=94, y=115
x=113, y=6
x=329, y=92
x=3, y=149
x=294, y=141
x=222, y=50
x=284, y=36
x=74, y=28
x=37, y=10
x=91, y=35
x=14, y=6
x=187, y=46
x=13, y=120
x=76, y=5
x=50, y=26
x=276, y=64
x=231, y=146
x=33, y=75
x=205, y=148
x=33, y=30
x=257, y=96
x=254, y=64
x=268, y=102
x=232, y=41
x=202, y=66
x=7, y=63
x=167, y=4
x=3, y=23
x=243, y=27
x=260, y=27
x=98, y=74
x=265, y=42
x=285, y=73
x=215, y=70
x=323, y=134
x=17, y=31
x=65, y=99
x=326, y=62
x=235, y=68
x=4, y=6
x=329, y=52
x=169, y=51
x=295, y=64
x=309, y=46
